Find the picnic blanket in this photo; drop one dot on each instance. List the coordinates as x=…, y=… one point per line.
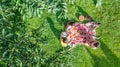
x=80, y=34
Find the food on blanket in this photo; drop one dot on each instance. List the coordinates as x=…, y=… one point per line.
x=81, y=18
x=88, y=18
x=95, y=44
x=77, y=33
x=92, y=26
x=80, y=32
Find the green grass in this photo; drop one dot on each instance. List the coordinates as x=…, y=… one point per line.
x=107, y=55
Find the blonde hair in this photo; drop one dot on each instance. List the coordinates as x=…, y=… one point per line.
x=63, y=43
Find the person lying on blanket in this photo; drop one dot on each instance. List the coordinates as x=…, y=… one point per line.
x=77, y=33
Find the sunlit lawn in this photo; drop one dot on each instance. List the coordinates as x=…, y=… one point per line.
x=108, y=14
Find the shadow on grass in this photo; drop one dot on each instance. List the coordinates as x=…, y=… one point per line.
x=80, y=11
x=55, y=31
x=98, y=61
x=111, y=59
x=95, y=2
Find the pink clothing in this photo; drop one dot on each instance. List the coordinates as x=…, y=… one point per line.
x=80, y=34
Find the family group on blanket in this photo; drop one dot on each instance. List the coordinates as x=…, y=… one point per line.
x=80, y=34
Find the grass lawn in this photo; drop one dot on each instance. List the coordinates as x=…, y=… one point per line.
x=108, y=54
x=106, y=12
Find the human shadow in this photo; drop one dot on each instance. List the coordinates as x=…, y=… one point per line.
x=113, y=59
x=54, y=30
x=80, y=12
x=95, y=2
x=98, y=61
